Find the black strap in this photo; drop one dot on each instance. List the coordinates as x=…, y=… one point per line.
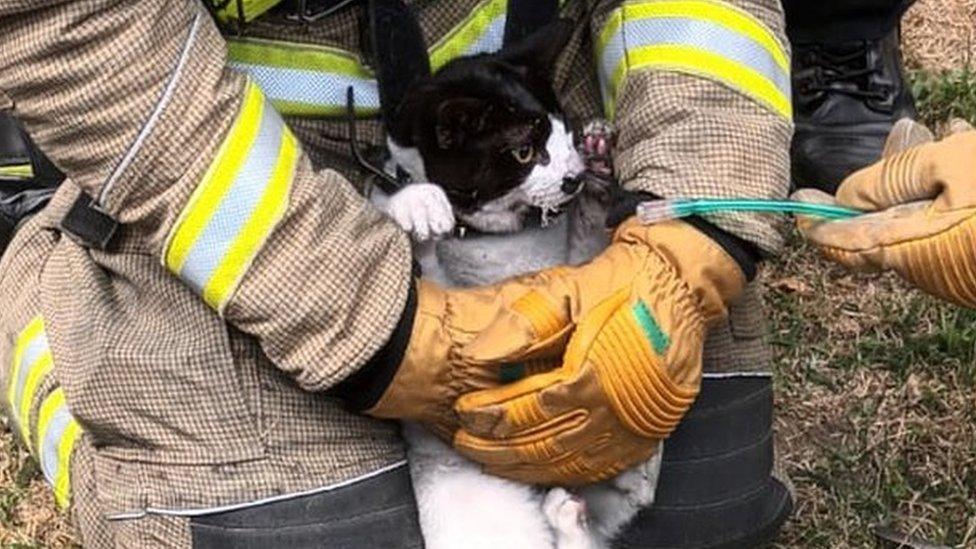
x=398, y=50
x=89, y=225
x=527, y=16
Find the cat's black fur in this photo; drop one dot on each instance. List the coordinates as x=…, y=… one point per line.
x=484, y=108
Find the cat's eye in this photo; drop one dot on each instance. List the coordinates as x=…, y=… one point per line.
x=524, y=154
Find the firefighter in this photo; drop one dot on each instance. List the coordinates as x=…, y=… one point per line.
x=204, y=325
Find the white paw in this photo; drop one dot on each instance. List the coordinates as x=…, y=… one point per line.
x=566, y=513
x=422, y=209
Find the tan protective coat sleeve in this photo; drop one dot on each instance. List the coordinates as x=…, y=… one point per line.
x=134, y=102
x=693, y=114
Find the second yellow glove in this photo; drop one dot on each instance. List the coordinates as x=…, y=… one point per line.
x=924, y=227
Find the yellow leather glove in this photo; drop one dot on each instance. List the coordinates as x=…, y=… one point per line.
x=631, y=369
x=925, y=225
x=430, y=376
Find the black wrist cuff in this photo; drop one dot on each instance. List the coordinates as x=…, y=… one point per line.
x=364, y=388
x=743, y=252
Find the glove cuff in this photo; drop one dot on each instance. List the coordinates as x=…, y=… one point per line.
x=417, y=379
x=712, y=275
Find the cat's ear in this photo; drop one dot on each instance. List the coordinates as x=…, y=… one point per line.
x=459, y=119
x=539, y=50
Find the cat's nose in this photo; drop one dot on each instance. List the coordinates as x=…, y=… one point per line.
x=571, y=184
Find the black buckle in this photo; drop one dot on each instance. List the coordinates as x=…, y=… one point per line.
x=310, y=11
x=88, y=225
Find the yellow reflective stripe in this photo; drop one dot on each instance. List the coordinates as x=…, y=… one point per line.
x=457, y=42
x=610, y=28
x=17, y=171
x=251, y=8
x=707, y=65
x=305, y=80
x=38, y=371
x=721, y=13
x=755, y=62
x=57, y=433
x=309, y=80
x=291, y=55
x=33, y=330
x=62, y=480
x=49, y=407
x=266, y=215
x=238, y=202
x=217, y=180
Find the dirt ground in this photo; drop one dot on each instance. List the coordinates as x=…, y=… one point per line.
x=940, y=34
x=875, y=386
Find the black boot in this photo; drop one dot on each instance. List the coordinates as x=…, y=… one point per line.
x=718, y=487
x=846, y=97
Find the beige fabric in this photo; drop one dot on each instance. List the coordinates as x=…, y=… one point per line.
x=188, y=410
x=683, y=135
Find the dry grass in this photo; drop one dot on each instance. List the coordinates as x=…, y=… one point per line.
x=28, y=517
x=875, y=406
x=876, y=383
x=940, y=34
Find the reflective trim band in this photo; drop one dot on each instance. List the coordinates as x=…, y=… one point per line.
x=732, y=375
x=31, y=361
x=305, y=80
x=37, y=372
x=706, y=38
x=17, y=171
x=308, y=80
x=57, y=432
x=251, y=9
x=239, y=201
x=482, y=31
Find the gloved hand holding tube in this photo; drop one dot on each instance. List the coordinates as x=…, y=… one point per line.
x=923, y=220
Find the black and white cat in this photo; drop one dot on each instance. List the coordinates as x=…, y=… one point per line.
x=487, y=147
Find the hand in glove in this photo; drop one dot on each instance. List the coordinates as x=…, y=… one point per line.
x=924, y=225
x=631, y=369
x=432, y=373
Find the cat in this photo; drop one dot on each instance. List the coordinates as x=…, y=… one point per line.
x=498, y=188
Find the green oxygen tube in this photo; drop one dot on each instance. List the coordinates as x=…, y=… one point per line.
x=656, y=211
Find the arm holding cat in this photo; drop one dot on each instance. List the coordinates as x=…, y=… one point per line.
x=134, y=101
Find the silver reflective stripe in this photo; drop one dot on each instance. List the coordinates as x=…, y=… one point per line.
x=32, y=353
x=164, y=100
x=613, y=52
x=310, y=87
x=238, y=204
x=696, y=33
x=49, y=447
x=728, y=375
x=491, y=40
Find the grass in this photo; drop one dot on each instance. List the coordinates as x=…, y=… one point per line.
x=941, y=96
x=875, y=406
x=876, y=401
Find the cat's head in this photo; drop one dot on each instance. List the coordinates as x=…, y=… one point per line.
x=488, y=129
